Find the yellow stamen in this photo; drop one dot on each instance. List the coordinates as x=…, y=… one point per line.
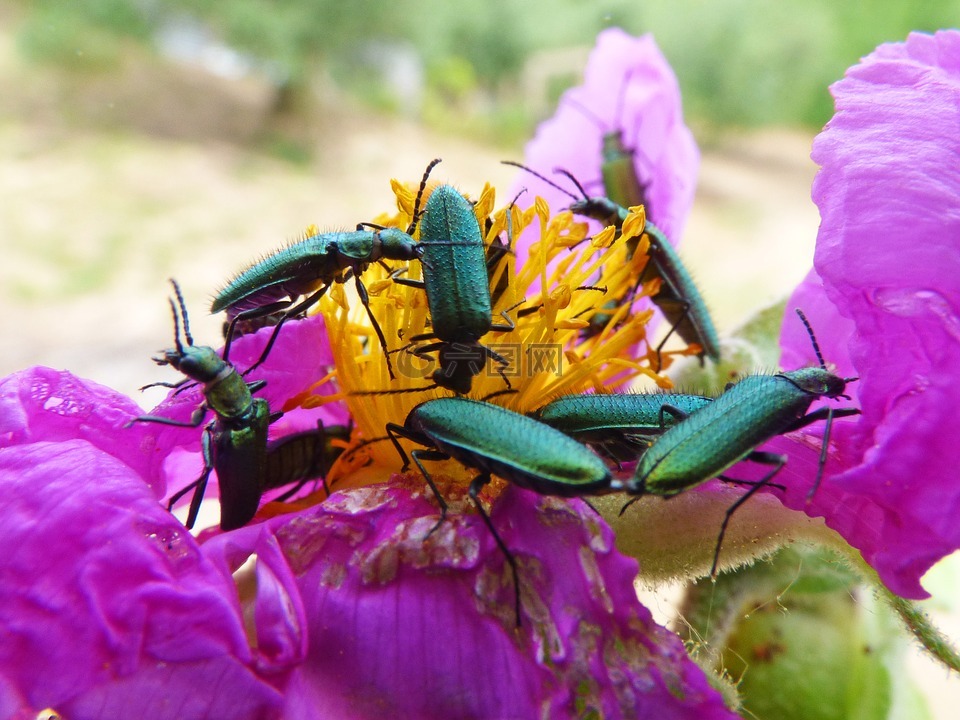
x=557, y=347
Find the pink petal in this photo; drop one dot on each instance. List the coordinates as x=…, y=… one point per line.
x=408, y=627
x=887, y=251
x=108, y=606
x=650, y=115
x=42, y=404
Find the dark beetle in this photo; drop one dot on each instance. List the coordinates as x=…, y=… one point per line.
x=235, y=442
x=302, y=456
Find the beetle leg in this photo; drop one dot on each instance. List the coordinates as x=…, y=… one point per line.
x=432, y=455
x=476, y=486
x=300, y=307
x=365, y=299
x=765, y=458
x=199, y=485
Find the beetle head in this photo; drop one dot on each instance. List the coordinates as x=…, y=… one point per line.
x=397, y=245
x=818, y=381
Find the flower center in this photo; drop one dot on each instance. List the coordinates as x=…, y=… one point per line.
x=571, y=303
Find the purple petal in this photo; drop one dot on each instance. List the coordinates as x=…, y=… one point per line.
x=407, y=626
x=42, y=404
x=628, y=85
x=279, y=619
x=887, y=251
x=109, y=608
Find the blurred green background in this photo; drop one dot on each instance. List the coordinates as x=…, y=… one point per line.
x=743, y=63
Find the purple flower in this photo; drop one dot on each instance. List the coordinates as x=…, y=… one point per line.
x=885, y=301
x=884, y=296
x=112, y=609
x=351, y=608
x=629, y=86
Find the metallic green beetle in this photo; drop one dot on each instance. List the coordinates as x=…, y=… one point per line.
x=620, y=426
x=308, y=268
x=458, y=292
x=729, y=429
x=679, y=298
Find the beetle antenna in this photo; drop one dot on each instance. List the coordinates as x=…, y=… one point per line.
x=569, y=175
x=176, y=328
x=540, y=177
x=813, y=339
x=422, y=189
x=183, y=312
x=622, y=95
x=588, y=114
